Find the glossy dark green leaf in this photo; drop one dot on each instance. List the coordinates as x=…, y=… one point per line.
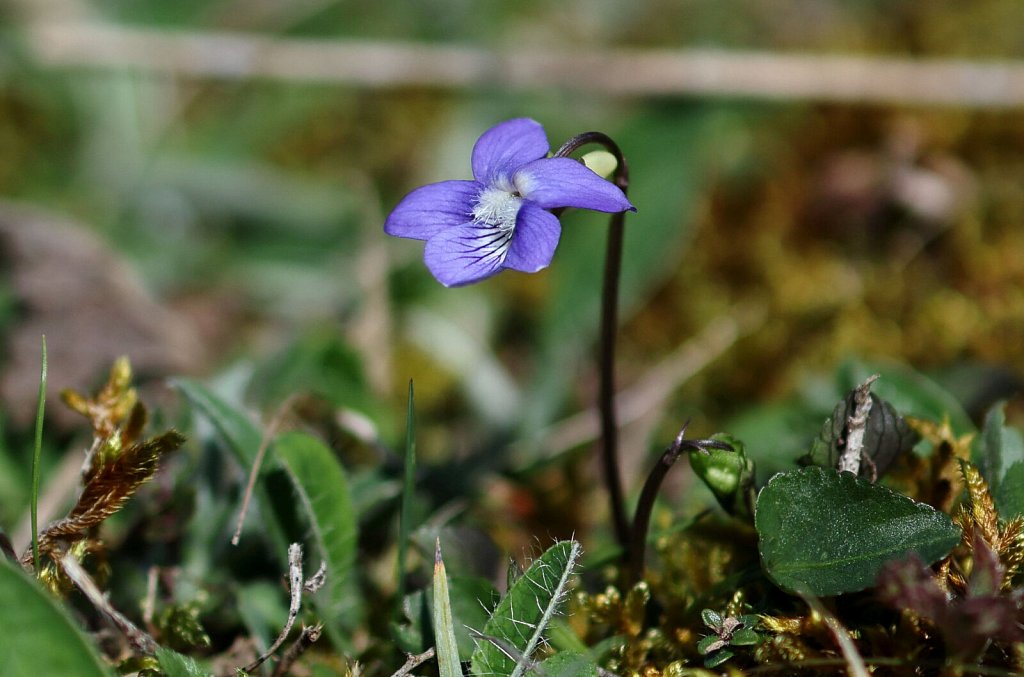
x=703, y=646
x=37, y=637
x=711, y=619
x=745, y=637
x=828, y=533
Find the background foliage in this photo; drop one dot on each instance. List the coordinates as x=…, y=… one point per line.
x=227, y=231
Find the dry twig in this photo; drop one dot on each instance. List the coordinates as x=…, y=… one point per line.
x=606, y=70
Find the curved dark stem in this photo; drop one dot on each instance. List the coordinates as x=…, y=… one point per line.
x=642, y=519
x=609, y=325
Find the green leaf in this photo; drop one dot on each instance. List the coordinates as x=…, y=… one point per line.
x=177, y=665
x=318, y=362
x=774, y=435
x=522, y=615
x=243, y=440
x=447, y=649
x=322, y=488
x=1000, y=457
x=711, y=619
x=471, y=598
x=37, y=637
x=828, y=533
x=567, y=664
x=705, y=642
x=242, y=436
x=717, y=658
x=745, y=637
x=413, y=632
x=262, y=609
x=1010, y=496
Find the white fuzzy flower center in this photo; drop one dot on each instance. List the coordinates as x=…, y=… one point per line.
x=498, y=208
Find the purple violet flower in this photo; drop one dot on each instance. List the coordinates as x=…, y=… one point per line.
x=474, y=229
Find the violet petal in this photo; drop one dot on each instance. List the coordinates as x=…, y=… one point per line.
x=505, y=147
x=535, y=241
x=564, y=182
x=430, y=209
x=466, y=253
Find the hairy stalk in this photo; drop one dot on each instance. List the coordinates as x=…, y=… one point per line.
x=606, y=352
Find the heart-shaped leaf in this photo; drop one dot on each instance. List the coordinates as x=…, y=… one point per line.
x=827, y=533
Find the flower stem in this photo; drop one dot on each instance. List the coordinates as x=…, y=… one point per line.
x=644, y=507
x=606, y=353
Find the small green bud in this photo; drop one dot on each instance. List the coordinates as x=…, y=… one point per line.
x=601, y=162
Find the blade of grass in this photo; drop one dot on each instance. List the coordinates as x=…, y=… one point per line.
x=407, y=488
x=444, y=626
x=37, y=452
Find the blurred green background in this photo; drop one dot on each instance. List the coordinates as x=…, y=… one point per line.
x=226, y=205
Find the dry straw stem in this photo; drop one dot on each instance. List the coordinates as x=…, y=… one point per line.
x=296, y=586
x=413, y=662
x=607, y=70
x=856, y=426
x=139, y=640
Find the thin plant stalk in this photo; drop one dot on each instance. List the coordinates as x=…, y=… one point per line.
x=645, y=506
x=609, y=327
x=408, y=486
x=37, y=452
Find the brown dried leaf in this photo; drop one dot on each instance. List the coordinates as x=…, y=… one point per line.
x=110, y=486
x=108, y=408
